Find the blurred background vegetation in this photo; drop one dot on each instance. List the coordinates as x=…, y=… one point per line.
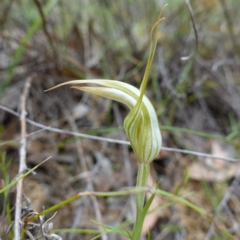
x=197, y=102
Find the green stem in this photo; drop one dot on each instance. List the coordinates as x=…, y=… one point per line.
x=143, y=172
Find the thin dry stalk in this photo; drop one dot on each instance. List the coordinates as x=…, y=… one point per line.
x=195, y=31
x=83, y=135
x=45, y=30
x=22, y=160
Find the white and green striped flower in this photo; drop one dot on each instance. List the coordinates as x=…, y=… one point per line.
x=141, y=124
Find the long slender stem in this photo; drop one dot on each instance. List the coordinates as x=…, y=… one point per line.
x=143, y=172
x=22, y=160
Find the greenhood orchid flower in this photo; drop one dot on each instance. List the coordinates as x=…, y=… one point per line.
x=141, y=124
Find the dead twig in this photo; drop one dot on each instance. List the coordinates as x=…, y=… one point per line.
x=195, y=32
x=83, y=135
x=22, y=160
x=45, y=30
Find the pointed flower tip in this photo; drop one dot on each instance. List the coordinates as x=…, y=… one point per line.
x=141, y=124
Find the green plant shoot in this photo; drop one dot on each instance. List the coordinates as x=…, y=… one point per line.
x=141, y=123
